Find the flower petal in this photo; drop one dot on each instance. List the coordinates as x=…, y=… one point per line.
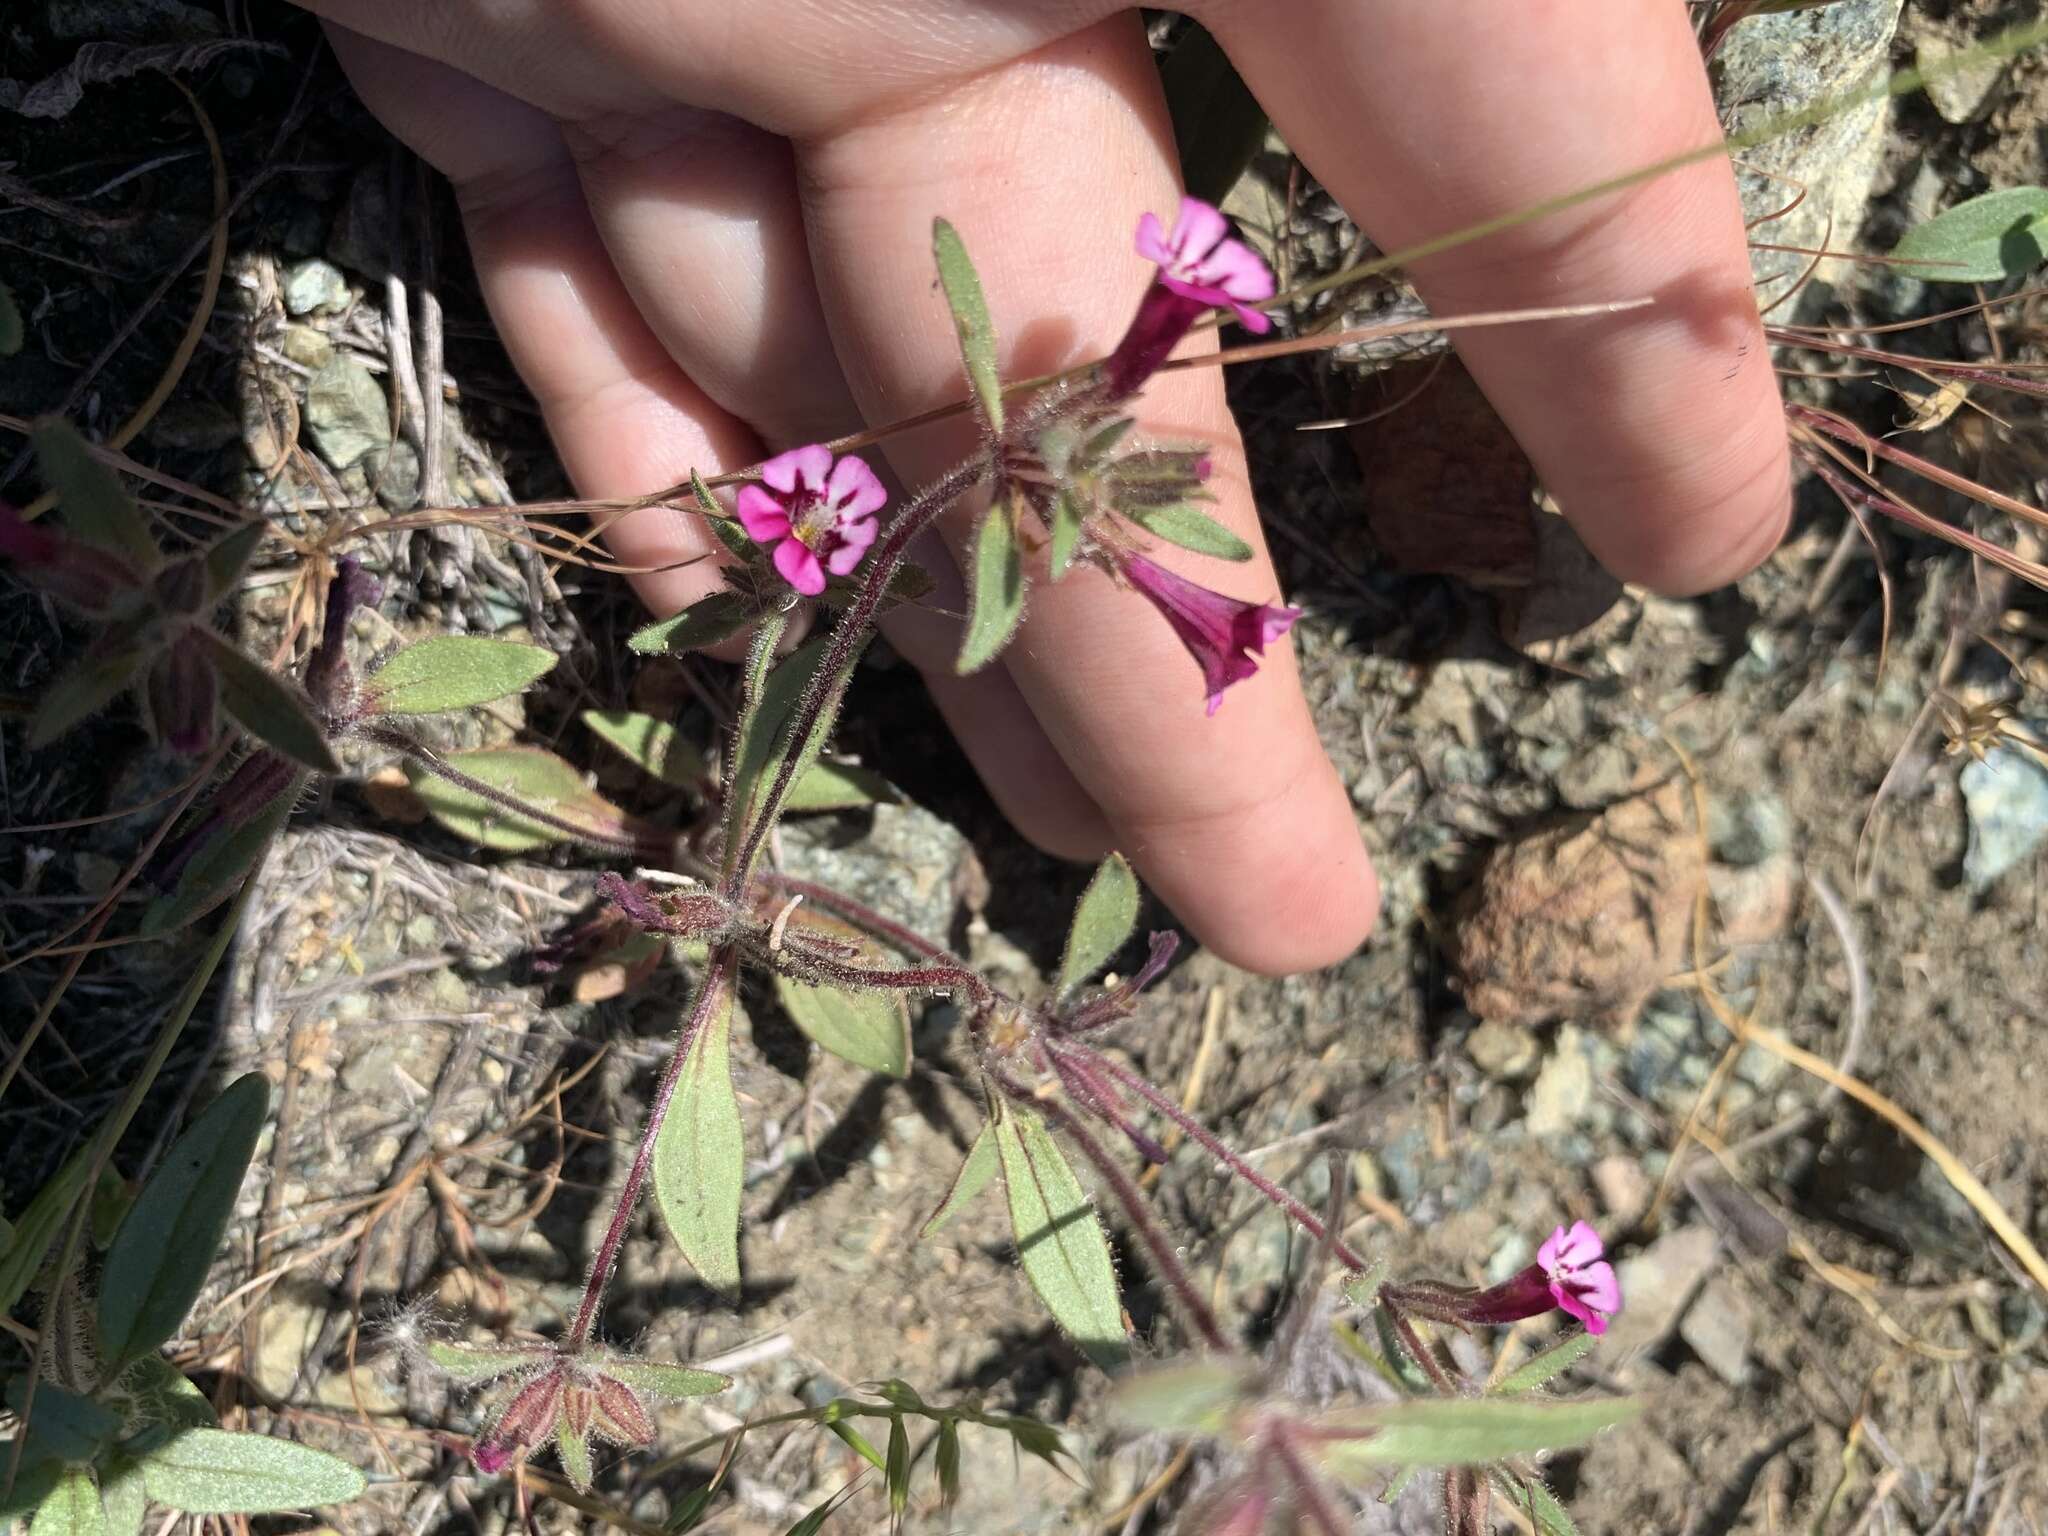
x=854, y=490
x=1582, y=1245
x=1238, y=270
x=813, y=466
x=761, y=515
x=1567, y=1302
x=1152, y=240
x=800, y=567
x=1197, y=230
x=1599, y=1288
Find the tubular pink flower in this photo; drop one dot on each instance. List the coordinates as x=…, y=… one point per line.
x=1200, y=268
x=1200, y=260
x=815, y=514
x=1581, y=1281
x=71, y=570
x=1222, y=633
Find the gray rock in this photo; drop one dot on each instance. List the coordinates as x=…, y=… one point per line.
x=1771, y=66
x=1505, y=1051
x=1563, y=1090
x=315, y=287
x=1962, y=94
x=1657, y=1285
x=907, y=866
x=130, y=21
x=348, y=414
x=2006, y=796
x=1747, y=829
x=1717, y=1328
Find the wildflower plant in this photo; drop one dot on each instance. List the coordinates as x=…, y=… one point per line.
x=1061, y=477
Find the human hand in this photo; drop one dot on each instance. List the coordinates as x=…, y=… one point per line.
x=703, y=227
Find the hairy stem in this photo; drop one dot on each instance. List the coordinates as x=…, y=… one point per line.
x=848, y=636
x=1208, y=1141
x=863, y=917
x=719, y=966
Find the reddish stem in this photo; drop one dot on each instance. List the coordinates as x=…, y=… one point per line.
x=719, y=966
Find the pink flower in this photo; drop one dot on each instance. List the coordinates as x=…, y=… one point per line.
x=1581, y=1281
x=817, y=515
x=1200, y=260
x=1222, y=633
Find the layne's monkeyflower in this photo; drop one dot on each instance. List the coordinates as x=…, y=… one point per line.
x=1571, y=1274
x=1222, y=633
x=817, y=515
x=1200, y=268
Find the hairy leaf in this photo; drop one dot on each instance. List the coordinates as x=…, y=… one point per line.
x=165, y=1395
x=160, y=1256
x=869, y=1029
x=1103, y=920
x=653, y=746
x=124, y=1501
x=1185, y=524
x=533, y=776
x=704, y=623
x=72, y=1508
x=1982, y=240
x=218, y=869
x=664, y=1380
x=996, y=596
x=31, y=1486
x=1192, y=1399
x=214, y=1472
x=454, y=672
x=1067, y=521
x=272, y=710
x=1449, y=1432
x=970, y=320
x=227, y=555
x=61, y=1424
x=84, y=688
x=976, y=1169
x=461, y=1362
x=1539, y=1368
x=573, y=1446
x=1534, y=1499
x=96, y=506
x=828, y=786
x=1059, y=1239
x=700, y=1154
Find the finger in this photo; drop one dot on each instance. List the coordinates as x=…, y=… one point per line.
x=1239, y=822
x=1659, y=431
x=708, y=229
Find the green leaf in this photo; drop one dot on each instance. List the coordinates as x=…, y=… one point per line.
x=1103, y=920
x=12, y=330
x=164, y=1395
x=1193, y=1399
x=535, y=777
x=1218, y=125
x=653, y=746
x=946, y=1462
x=976, y=1169
x=897, y=1472
x=213, y=1472
x=855, y=1441
x=771, y=692
x=1059, y=1239
x=228, y=554
x=272, y=710
x=970, y=320
x=1185, y=524
x=1539, y=1368
x=72, y=1508
x=1067, y=522
x=1535, y=1500
x=84, y=688
x=1398, y=1484
x=31, y=1485
x=97, y=507
x=454, y=672
x=827, y=786
x=1451, y=1432
x=460, y=1362
x=36, y=1228
x=704, y=623
x=869, y=1029
x=690, y=1509
x=664, y=1380
x=62, y=1425
x=814, y=1522
x=996, y=600
x=218, y=869
x=573, y=1446
x=124, y=1502
x=1983, y=240
x=110, y=1203
x=159, y=1258
x=700, y=1153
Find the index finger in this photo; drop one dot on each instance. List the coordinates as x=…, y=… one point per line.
x=1659, y=431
